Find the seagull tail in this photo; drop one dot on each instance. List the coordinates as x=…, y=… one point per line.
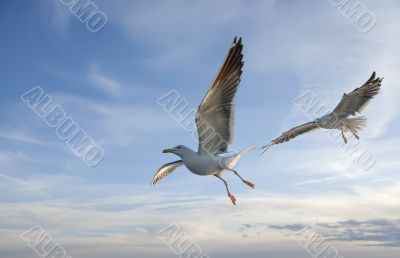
x=247, y=150
x=231, y=162
x=356, y=124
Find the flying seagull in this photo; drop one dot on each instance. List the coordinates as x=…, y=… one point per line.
x=214, y=121
x=350, y=104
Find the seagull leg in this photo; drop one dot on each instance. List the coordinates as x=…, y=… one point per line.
x=244, y=181
x=355, y=135
x=233, y=199
x=344, y=137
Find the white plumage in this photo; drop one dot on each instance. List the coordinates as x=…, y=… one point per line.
x=215, y=122
x=350, y=104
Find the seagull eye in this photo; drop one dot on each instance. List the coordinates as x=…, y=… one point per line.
x=179, y=147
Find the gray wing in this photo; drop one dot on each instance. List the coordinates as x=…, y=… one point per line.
x=355, y=101
x=165, y=171
x=292, y=133
x=215, y=115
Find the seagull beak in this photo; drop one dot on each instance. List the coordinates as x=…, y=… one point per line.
x=168, y=151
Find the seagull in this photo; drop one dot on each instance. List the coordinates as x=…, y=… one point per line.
x=214, y=120
x=350, y=104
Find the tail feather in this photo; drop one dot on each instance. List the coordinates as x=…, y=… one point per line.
x=247, y=150
x=356, y=124
x=230, y=162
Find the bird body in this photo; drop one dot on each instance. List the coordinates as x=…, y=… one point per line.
x=203, y=164
x=332, y=121
x=327, y=121
x=214, y=120
x=341, y=117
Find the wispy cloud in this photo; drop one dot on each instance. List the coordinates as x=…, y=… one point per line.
x=133, y=214
x=289, y=48
x=56, y=18
x=379, y=232
x=105, y=83
x=21, y=137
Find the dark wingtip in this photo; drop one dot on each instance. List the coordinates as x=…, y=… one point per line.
x=378, y=79
x=372, y=77
x=236, y=41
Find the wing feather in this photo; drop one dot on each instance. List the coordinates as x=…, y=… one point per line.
x=165, y=170
x=215, y=115
x=355, y=101
x=292, y=133
x=295, y=131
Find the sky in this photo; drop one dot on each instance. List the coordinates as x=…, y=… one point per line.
x=108, y=82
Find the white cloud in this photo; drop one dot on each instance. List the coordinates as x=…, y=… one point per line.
x=280, y=38
x=107, y=84
x=21, y=137
x=118, y=123
x=133, y=214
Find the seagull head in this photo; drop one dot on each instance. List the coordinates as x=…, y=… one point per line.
x=179, y=150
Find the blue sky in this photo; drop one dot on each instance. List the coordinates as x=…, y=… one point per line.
x=109, y=82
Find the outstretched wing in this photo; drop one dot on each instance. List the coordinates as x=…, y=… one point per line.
x=292, y=133
x=165, y=171
x=215, y=115
x=355, y=101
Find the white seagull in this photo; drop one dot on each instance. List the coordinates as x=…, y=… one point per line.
x=214, y=120
x=351, y=104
